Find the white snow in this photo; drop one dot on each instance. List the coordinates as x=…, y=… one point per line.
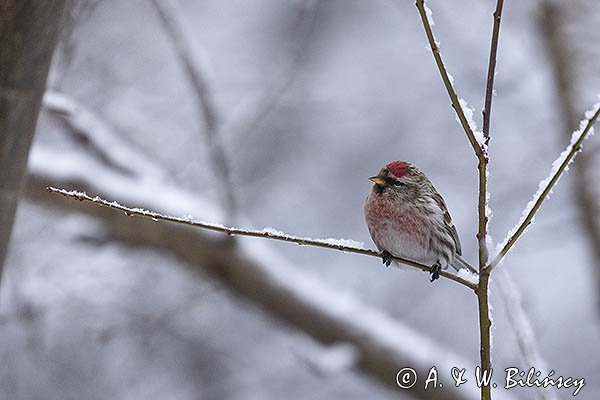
x=469, y=113
x=343, y=242
x=272, y=231
x=429, y=14
x=467, y=275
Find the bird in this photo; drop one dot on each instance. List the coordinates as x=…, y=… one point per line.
x=408, y=218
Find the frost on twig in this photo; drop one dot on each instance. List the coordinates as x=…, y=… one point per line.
x=559, y=166
x=269, y=233
x=469, y=112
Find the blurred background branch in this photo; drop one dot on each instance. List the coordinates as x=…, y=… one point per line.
x=522, y=329
x=194, y=68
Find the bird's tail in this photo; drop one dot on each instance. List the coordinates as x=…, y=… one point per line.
x=460, y=262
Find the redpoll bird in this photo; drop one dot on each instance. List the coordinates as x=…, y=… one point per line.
x=408, y=218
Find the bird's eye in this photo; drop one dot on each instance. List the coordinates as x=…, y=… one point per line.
x=394, y=182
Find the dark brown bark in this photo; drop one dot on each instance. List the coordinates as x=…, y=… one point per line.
x=28, y=35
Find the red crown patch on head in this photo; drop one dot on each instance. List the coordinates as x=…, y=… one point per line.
x=398, y=168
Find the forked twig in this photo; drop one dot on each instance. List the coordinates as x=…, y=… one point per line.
x=482, y=206
x=423, y=11
x=479, y=145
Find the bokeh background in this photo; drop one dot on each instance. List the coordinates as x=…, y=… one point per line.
x=269, y=113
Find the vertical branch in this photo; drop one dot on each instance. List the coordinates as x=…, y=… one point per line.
x=171, y=20
x=480, y=148
x=28, y=35
x=489, y=91
x=485, y=325
x=485, y=322
x=484, y=158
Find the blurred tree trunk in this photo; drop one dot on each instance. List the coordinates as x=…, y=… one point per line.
x=28, y=33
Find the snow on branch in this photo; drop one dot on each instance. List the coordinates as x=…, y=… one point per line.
x=463, y=112
x=345, y=245
x=559, y=166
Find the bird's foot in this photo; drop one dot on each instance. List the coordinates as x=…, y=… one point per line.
x=387, y=257
x=435, y=271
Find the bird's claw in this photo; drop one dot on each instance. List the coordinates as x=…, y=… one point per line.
x=435, y=271
x=386, y=257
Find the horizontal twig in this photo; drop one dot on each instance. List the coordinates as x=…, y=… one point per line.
x=264, y=233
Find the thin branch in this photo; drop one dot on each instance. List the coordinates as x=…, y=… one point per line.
x=489, y=91
x=568, y=154
x=446, y=78
x=485, y=322
x=482, y=204
x=264, y=233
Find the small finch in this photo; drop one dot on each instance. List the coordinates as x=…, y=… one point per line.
x=408, y=218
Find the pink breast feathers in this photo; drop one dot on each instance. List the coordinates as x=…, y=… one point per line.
x=385, y=220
